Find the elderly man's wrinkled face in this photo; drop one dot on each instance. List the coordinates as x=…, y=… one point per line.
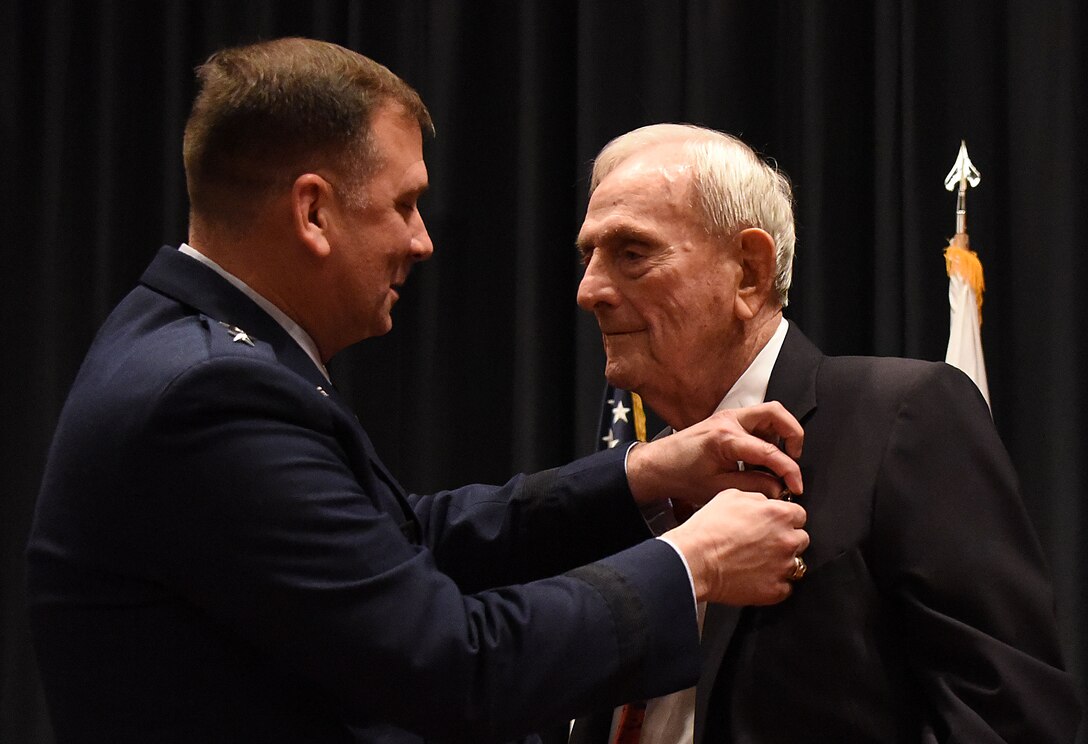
x=661, y=287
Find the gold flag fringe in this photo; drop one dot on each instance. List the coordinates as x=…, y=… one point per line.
x=960, y=260
x=640, y=417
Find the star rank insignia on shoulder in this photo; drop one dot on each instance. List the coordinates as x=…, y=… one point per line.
x=240, y=336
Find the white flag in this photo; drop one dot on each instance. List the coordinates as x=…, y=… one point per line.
x=965, y=288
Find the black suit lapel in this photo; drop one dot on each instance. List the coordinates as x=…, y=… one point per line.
x=793, y=384
x=793, y=379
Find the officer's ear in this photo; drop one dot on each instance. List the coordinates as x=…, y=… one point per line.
x=755, y=252
x=312, y=212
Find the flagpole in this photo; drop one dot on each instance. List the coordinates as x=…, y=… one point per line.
x=965, y=281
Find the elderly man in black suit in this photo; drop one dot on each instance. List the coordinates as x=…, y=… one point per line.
x=926, y=614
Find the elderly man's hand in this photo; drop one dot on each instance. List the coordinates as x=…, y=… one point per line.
x=695, y=463
x=742, y=548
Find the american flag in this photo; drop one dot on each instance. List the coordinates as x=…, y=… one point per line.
x=622, y=418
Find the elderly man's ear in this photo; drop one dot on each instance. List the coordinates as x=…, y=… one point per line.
x=756, y=256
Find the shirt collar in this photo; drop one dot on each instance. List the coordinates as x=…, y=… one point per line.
x=294, y=330
x=751, y=387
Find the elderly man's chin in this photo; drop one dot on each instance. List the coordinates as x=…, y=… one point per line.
x=625, y=358
x=622, y=372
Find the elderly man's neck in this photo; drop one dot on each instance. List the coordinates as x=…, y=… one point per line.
x=698, y=397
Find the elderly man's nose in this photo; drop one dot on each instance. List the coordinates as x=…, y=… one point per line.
x=595, y=288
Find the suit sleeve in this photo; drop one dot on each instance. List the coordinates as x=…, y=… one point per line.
x=965, y=574
x=255, y=513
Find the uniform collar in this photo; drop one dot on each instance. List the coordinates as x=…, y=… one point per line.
x=294, y=330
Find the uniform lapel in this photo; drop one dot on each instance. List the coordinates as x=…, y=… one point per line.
x=191, y=283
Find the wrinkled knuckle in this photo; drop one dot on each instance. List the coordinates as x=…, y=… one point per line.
x=803, y=540
x=788, y=543
x=774, y=410
x=782, y=510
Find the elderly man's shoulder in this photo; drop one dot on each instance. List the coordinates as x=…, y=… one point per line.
x=894, y=370
x=894, y=379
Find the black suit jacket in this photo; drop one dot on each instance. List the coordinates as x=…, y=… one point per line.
x=927, y=613
x=218, y=555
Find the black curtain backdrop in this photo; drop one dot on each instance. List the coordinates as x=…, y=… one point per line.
x=491, y=368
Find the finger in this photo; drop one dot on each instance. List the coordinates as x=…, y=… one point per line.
x=755, y=451
x=790, y=568
x=803, y=541
x=772, y=422
x=795, y=513
x=780, y=590
x=757, y=481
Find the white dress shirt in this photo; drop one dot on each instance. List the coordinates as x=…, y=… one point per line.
x=671, y=719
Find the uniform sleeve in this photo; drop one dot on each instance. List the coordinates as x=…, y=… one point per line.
x=535, y=525
x=256, y=514
x=965, y=576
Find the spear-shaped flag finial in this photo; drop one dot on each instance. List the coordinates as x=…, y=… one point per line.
x=965, y=283
x=963, y=174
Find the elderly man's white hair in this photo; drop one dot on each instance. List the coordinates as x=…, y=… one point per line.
x=733, y=187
